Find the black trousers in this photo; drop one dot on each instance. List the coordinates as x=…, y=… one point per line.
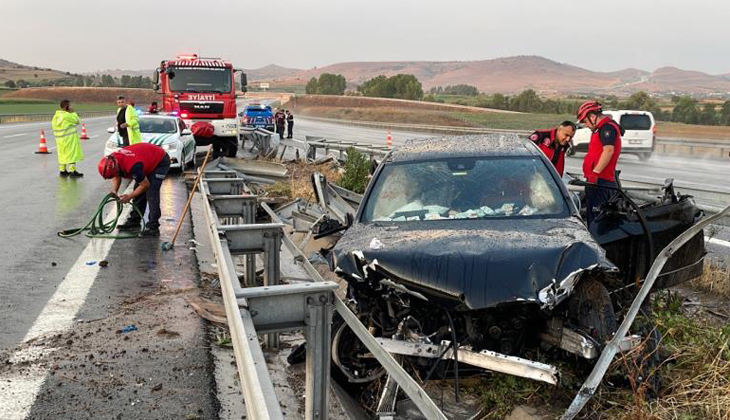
x=151, y=197
x=290, y=129
x=280, y=130
x=125, y=138
x=596, y=197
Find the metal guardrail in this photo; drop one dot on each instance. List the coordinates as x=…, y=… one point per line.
x=15, y=118
x=230, y=214
x=269, y=309
x=717, y=148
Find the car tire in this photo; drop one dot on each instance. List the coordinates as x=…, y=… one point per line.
x=193, y=162
x=591, y=308
x=644, y=156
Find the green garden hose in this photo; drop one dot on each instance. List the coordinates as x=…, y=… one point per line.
x=97, y=228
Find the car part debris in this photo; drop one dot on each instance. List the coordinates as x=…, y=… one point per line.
x=591, y=384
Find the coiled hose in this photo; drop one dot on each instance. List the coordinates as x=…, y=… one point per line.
x=97, y=228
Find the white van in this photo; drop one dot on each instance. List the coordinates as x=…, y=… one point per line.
x=639, y=137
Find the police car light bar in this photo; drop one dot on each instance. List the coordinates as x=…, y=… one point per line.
x=188, y=57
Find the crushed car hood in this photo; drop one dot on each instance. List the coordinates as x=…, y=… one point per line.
x=479, y=263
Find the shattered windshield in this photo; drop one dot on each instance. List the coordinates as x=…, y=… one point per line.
x=464, y=188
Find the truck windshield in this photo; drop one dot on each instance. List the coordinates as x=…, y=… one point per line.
x=464, y=188
x=199, y=79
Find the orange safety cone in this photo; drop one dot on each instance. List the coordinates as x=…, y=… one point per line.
x=389, y=140
x=42, y=149
x=84, y=136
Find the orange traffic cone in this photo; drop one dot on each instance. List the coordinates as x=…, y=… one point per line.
x=389, y=140
x=42, y=149
x=84, y=136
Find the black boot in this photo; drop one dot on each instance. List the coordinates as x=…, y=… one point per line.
x=63, y=174
x=130, y=224
x=75, y=174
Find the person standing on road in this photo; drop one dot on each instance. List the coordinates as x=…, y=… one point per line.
x=132, y=120
x=604, y=149
x=64, y=124
x=289, y=125
x=127, y=123
x=554, y=142
x=147, y=164
x=280, y=119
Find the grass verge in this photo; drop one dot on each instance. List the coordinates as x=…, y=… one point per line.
x=40, y=106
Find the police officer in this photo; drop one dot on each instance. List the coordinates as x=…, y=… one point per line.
x=289, y=125
x=280, y=119
x=128, y=122
x=554, y=142
x=604, y=149
x=147, y=164
x=64, y=124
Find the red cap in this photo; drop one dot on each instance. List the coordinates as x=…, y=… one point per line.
x=588, y=107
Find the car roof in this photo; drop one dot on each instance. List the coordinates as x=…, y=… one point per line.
x=158, y=116
x=477, y=145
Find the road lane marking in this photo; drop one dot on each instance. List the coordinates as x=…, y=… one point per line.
x=14, y=135
x=719, y=242
x=18, y=392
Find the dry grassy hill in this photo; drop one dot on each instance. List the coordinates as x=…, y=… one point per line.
x=14, y=71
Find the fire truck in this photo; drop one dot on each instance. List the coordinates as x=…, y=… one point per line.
x=202, y=92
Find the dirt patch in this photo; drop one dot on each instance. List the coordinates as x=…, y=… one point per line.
x=86, y=94
x=715, y=278
x=304, y=101
x=299, y=183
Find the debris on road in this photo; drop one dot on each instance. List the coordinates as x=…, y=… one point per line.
x=129, y=328
x=103, y=263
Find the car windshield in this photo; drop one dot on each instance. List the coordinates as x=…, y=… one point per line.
x=200, y=79
x=157, y=125
x=635, y=122
x=464, y=188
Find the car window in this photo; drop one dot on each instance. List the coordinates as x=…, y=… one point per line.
x=157, y=125
x=635, y=122
x=464, y=188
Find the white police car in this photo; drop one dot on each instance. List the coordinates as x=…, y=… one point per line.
x=166, y=131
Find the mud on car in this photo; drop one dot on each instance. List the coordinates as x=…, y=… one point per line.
x=473, y=248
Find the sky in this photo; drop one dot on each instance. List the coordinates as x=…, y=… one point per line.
x=90, y=35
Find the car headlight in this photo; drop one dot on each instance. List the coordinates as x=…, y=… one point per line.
x=112, y=144
x=170, y=147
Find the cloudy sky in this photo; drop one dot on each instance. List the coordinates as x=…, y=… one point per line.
x=87, y=35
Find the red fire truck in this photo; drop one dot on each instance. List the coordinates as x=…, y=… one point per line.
x=202, y=91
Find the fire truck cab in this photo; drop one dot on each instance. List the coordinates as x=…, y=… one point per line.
x=202, y=92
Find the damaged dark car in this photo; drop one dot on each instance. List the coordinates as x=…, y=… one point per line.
x=473, y=248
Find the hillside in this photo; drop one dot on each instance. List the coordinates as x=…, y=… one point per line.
x=514, y=74
x=14, y=71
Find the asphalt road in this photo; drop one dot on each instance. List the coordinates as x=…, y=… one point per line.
x=62, y=353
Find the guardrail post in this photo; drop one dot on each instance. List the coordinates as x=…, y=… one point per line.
x=318, y=319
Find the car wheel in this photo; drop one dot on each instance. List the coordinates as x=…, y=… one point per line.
x=644, y=156
x=591, y=308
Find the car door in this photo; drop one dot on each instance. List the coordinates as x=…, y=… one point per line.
x=187, y=139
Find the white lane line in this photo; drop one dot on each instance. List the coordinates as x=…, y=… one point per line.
x=14, y=135
x=18, y=392
x=94, y=136
x=719, y=242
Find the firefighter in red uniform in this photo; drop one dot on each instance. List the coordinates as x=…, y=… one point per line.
x=147, y=164
x=554, y=142
x=604, y=149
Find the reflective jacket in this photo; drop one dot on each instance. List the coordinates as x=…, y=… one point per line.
x=132, y=120
x=546, y=141
x=68, y=144
x=607, y=132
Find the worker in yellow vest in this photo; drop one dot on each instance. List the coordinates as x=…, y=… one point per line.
x=64, y=124
x=128, y=122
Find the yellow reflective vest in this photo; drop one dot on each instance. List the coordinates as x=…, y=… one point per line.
x=132, y=120
x=68, y=144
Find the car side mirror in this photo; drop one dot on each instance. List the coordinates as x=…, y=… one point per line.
x=111, y=130
x=187, y=132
